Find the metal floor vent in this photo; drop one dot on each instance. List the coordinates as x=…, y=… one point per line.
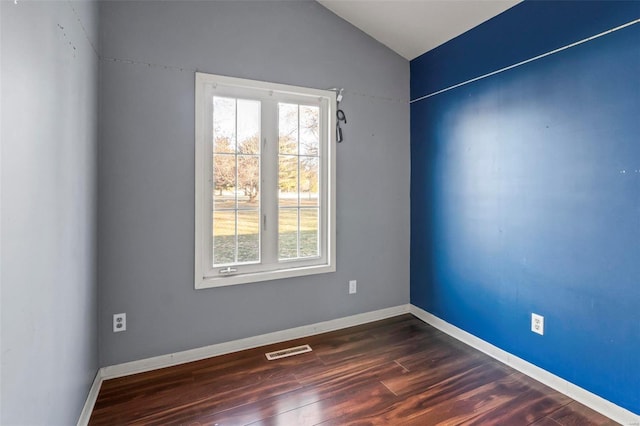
x=288, y=352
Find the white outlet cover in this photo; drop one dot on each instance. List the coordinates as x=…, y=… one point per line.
x=119, y=322
x=537, y=324
x=353, y=286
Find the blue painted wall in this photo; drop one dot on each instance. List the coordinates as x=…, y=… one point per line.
x=525, y=190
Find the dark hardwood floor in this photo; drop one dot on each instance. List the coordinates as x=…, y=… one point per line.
x=398, y=371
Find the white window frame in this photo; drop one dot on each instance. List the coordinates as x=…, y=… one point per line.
x=269, y=268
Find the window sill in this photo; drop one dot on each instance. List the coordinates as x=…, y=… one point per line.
x=263, y=276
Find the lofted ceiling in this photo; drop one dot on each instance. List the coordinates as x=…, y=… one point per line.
x=413, y=27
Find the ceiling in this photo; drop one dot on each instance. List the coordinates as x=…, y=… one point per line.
x=413, y=27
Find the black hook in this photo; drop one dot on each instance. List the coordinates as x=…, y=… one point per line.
x=341, y=117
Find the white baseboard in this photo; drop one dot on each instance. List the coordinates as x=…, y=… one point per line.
x=169, y=360
x=579, y=394
x=162, y=361
x=591, y=400
x=85, y=415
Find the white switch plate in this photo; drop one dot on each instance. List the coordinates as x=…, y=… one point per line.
x=119, y=322
x=353, y=286
x=537, y=324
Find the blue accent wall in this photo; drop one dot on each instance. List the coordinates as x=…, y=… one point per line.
x=525, y=190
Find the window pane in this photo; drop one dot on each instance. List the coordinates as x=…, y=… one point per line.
x=309, y=243
x=248, y=127
x=288, y=180
x=298, y=183
x=224, y=180
x=309, y=130
x=288, y=128
x=248, y=189
x=236, y=189
x=309, y=183
x=224, y=124
x=224, y=237
x=248, y=236
x=288, y=233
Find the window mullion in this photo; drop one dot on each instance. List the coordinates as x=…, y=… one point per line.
x=269, y=183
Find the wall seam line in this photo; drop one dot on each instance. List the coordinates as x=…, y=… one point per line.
x=526, y=61
x=84, y=30
x=403, y=101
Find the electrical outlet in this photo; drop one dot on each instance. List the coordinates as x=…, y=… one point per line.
x=537, y=324
x=119, y=322
x=353, y=286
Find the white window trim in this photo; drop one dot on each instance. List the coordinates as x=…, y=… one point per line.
x=203, y=185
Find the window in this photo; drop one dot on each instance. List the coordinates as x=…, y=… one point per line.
x=265, y=181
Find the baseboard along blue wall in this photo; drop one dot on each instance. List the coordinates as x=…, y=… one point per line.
x=525, y=190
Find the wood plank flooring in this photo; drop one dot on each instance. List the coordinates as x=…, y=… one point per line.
x=398, y=371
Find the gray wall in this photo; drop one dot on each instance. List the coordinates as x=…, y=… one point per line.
x=146, y=169
x=48, y=208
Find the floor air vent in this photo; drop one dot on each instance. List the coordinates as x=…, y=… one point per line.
x=288, y=352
